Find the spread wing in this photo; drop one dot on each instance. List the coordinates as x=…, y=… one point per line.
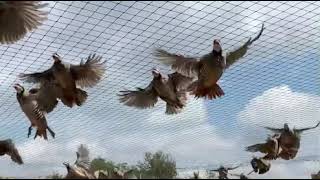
x=232, y=57
x=46, y=96
x=305, y=129
x=38, y=77
x=88, y=74
x=229, y=169
x=275, y=130
x=187, y=66
x=180, y=81
x=141, y=98
x=8, y=147
x=19, y=17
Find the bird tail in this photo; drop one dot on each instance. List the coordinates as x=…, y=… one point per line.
x=199, y=90
x=81, y=96
x=172, y=109
x=41, y=133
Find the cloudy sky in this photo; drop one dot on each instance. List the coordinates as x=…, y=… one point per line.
x=276, y=82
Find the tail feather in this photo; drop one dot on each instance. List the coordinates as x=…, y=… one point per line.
x=199, y=90
x=81, y=97
x=41, y=133
x=171, y=109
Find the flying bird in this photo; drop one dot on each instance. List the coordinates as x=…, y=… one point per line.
x=35, y=104
x=172, y=90
x=289, y=140
x=17, y=18
x=271, y=148
x=81, y=168
x=7, y=147
x=208, y=69
x=223, y=171
x=68, y=76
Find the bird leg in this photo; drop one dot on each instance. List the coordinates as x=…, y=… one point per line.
x=51, y=132
x=29, y=130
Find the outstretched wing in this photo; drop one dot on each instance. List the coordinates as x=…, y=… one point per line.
x=187, y=66
x=275, y=130
x=141, y=98
x=19, y=17
x=88, y=74
x=38, y=77
x=305, y=129
x=180, y=81
x=232, y=57
x=8, y=147
x=230, y=169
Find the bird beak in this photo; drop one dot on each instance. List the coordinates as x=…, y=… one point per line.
x=56, y=57
x=66, y=164
x=155, y=72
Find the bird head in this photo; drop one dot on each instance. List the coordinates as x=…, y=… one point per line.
x=217, y=46
x=156, y=73
x=19, y=88
x=56, y=58
x=67, y=165
x=286, y=127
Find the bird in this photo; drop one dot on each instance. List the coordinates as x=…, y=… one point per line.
x=17, y=18
x=35, y=104
x=260, y=165
x=81, y=168
x=7, y=147
x=271, y=148
x=223, y=171
x=172, y=90
x=68, y=76
x=289, y=140
x=208, y=69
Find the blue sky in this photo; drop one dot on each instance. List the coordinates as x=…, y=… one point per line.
x=276, y=82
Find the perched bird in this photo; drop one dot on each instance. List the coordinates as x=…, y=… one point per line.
x=172, y=90
x=35, y=104
x=208, y=69
x=260, y=165
x=289, y=140
x=271, y=148
x=68, y=76
x=7, y=147
x=19, y=17
x=223, y=172
x=81, y=168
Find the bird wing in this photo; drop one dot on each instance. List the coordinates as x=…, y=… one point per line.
x=275, y=130
x=12, y=151
x=37, y=77
x=141, y=98
x=46, y=96
x=88, y=74
x=305, y=129
x=180, y=81
x=19, y=17
x=233, y=56
x=230, y=169
x=187, y=66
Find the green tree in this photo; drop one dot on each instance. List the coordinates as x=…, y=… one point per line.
x=54, y=175
x=158, y=165
x=101, y=164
